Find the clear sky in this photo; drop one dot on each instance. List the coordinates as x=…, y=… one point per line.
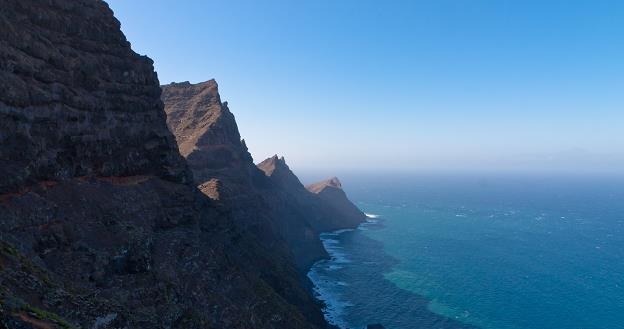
x=403, y=84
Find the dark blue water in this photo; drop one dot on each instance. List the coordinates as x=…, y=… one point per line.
x=485, y=251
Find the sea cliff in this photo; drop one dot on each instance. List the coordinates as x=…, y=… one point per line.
x=208, y=136
x=110, y=220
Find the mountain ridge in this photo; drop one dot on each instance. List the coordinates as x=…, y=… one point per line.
x=296, y=214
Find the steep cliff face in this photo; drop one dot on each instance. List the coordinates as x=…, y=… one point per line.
x=208, y=138
x=137, y=252
x=205, y=129
x=100, y=223
x=75, y=99
x=322, y=208
x=326, y=204
x=296, y=210
x=276, y=168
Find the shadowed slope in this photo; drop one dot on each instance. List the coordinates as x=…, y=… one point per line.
x=206, y=131
x=332, y=194
x=224, y=170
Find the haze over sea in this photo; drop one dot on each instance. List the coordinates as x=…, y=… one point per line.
x=526, y=251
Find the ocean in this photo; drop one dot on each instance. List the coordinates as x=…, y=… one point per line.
x=522, y=251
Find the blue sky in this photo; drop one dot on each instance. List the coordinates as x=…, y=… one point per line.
x=403, y=85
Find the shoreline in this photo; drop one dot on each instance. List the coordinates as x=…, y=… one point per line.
x=329, y=291
x=333, y=307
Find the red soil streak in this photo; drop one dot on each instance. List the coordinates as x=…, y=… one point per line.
x=48, y=184
x=124, y=180
x=36, y=323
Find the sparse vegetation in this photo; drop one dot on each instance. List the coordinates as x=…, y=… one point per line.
x=49, y=316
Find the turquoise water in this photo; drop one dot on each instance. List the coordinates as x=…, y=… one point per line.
x=491, y=252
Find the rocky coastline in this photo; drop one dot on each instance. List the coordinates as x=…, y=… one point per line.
x=128, y=205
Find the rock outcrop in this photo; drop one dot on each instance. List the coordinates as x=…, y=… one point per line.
x=328, y=184
x=346, y=214
x=276, y=168
x=206, y=132
x=319, y=210
x=326, y=204
x=101, y=225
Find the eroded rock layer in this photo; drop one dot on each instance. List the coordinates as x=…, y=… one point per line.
x=75, y=99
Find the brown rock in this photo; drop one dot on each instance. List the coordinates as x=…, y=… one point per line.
x=206, y=131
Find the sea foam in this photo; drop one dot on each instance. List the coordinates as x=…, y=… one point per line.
x=326, y=289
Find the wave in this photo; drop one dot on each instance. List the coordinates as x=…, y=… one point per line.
x=338, y=232
x=326, y=288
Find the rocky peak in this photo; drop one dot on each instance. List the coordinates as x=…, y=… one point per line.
x=205, y=130
x=276, y=168
x=333, y=182
x=197, y=117
x=272, y=164
x=333, y=197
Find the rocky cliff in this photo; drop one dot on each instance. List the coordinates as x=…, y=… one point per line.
x=75, y=99
x=208, y=136
x=206, y=132
x=296, y=211
x=323, y=209
x=346, y=214
x=223, y=169
x=100, y=223
x=325, y=202
x=206, y=129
